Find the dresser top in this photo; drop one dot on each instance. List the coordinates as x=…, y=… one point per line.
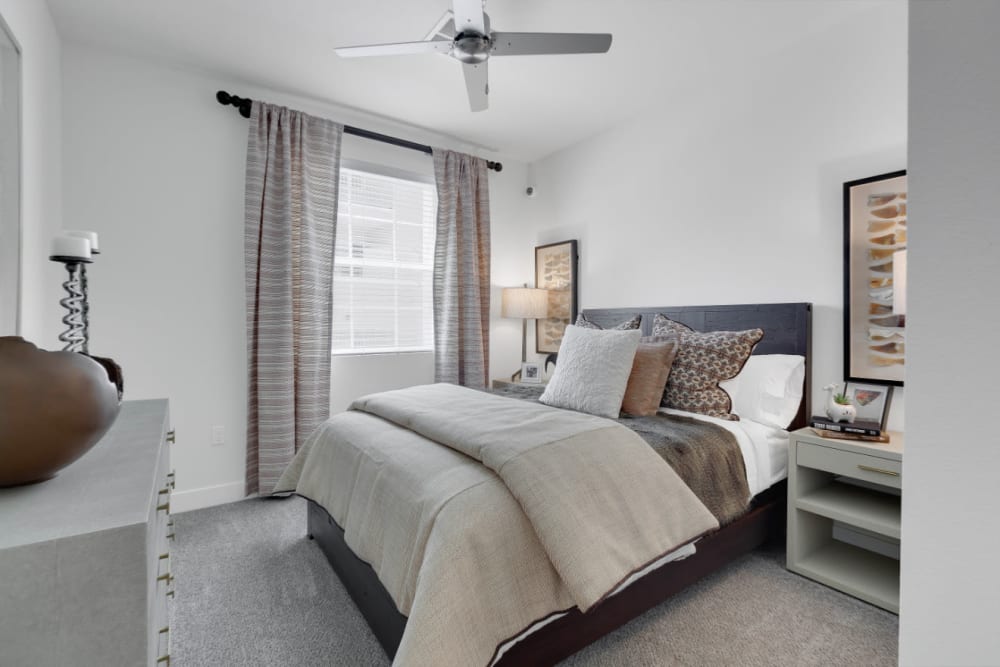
x=109, y=487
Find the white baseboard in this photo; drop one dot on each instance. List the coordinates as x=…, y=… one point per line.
x=196, y=499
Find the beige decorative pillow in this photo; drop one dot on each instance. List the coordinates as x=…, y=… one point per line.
x=633, y=323
x=704, y=360
x=650, y=370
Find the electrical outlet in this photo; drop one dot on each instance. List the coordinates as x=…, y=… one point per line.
x=218, y=435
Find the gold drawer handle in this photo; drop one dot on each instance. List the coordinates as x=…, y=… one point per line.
x=166, y=577
x=171, y=436
x=172, y=479
x=165, y=489
x=881, y=471
x=163, y=556
x=164, y=659
x=170, y=536
x=165, y=507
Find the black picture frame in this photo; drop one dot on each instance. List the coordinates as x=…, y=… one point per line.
x=553, y=262
x=875, y=411
x=874, y=336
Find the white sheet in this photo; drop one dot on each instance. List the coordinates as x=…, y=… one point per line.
x=764, y=449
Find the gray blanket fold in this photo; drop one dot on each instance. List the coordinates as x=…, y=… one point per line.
x=705, y=455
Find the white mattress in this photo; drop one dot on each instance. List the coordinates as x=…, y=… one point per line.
x=764, y=448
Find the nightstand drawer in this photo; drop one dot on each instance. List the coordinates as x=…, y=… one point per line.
x=858, y=466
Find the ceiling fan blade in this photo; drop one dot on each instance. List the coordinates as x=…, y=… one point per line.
x=469, y=16
x=398, y=49
x=477, y=85
x=549, y=43
x=444, y=28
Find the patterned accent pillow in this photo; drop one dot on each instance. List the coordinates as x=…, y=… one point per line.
x=704, y=360
x=633, y=323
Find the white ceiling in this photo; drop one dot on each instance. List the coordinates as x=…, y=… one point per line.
x=538, y=104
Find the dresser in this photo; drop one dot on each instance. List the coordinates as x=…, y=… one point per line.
x=844, y=501
x=84, y=557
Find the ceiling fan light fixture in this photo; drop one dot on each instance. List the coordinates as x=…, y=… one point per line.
x=471, y=48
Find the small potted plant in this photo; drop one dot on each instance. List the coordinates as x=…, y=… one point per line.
x=839, y=406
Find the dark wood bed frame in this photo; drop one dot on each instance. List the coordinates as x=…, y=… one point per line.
x=786, y=331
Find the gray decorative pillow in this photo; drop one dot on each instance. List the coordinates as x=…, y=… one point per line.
x=703, y=361
x=593, y=370
x=633, y=323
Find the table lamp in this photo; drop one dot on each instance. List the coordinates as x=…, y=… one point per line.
x=524, y=303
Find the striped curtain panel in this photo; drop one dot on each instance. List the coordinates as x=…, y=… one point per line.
x=293, y=170
x=462, y=270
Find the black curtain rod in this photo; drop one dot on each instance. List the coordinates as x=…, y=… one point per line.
x=244, y=104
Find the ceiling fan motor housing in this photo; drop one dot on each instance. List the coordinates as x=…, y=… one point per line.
x=471, y=47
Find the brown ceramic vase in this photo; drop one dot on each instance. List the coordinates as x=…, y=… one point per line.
x=54, y=406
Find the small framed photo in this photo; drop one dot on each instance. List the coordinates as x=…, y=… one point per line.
x=870, y=400
x=531, y=373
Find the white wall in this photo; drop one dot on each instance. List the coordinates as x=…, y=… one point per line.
x=950, y=595
x=729, y=191
x=156, y=166
x=41, y=166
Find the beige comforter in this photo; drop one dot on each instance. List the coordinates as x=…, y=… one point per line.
x=482, y=514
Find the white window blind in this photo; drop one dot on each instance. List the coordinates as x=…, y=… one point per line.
x=383, y=264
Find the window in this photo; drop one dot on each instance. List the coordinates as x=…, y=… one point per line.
x=383, y=264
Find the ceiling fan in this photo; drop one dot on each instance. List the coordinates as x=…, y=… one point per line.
x=465, y=35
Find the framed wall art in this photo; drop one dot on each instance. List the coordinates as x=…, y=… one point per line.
x=871, y=401
x=556, y=271
x=875, y=279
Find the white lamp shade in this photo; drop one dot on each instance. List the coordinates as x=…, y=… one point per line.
x=525, y=302
x=899, y=282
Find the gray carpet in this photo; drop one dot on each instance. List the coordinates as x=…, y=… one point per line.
x=253, y=590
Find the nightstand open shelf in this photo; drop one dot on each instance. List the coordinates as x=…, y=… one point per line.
x=865, y=508
x=866, y=575
x=844, y=501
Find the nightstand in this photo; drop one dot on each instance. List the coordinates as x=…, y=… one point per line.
x=844, y=514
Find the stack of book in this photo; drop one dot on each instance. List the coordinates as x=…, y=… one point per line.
x=870, y=431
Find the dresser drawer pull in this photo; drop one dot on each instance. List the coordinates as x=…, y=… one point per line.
x=164, y=659
x=171, y=436
x=164, y=631
x=166, y=577
x=165, y=489
x=172, y=479
x=163, y=556
x=170, y=536
x=881, y=471
x=165, y=507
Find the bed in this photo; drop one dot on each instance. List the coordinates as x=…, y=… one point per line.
x=787, y=331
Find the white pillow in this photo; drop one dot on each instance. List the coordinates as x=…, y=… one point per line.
x=769, y=388
x=593, y=370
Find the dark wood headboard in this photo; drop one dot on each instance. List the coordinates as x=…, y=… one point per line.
x=787, y=330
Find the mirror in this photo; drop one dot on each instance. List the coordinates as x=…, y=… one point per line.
x=10, y=182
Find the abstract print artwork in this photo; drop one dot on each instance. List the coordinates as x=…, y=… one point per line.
x=874, y=279
x=555, y=270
